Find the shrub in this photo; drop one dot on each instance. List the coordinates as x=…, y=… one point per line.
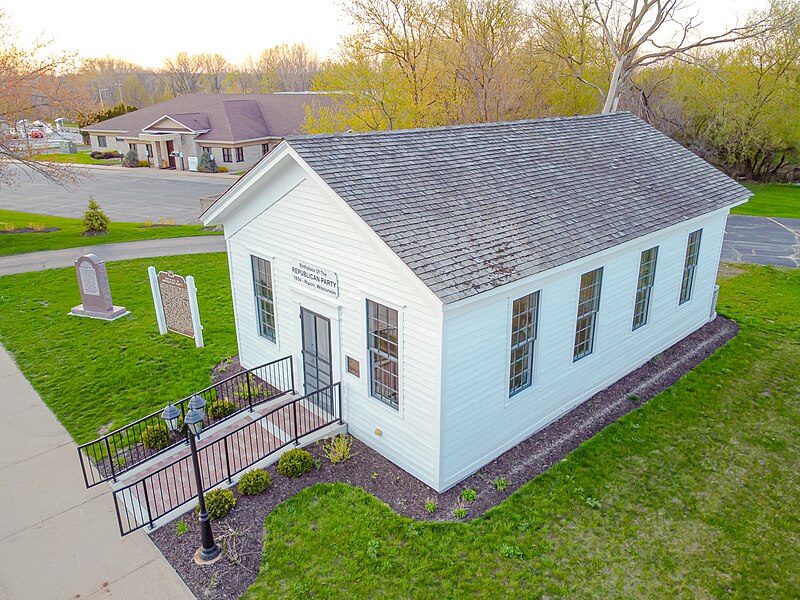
x=469, y=495
x=95, y=154
x=500, y=484
x=206, y=163
x=219, y=503
x=222, y=169
x=94, y=219
x=295, y=462
x=131, y=159
x=460, y=512
x=109, y=154
x=181, y=527
x=155, y=437
x=254, y=482
x=219, y=409
x=431, y=505
x=337, y=449
x=36, y=226
x=9, y=226
x=144, y=163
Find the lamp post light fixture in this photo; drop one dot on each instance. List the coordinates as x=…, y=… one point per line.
x=209, y=551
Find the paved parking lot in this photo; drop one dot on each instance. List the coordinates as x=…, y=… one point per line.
x=762, y=241
x=124, y=194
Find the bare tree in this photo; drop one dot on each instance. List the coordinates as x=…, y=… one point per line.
x=213, y=68
x=32, y=87
x=286, y=68
x=633, y=31
x=181, y=75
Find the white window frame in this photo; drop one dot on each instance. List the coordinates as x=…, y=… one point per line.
x=690, y=266
x=644, y=288
x=586, y=320
x=262, y=326
x=102, y=141
x=526, y=344
x=387, y=355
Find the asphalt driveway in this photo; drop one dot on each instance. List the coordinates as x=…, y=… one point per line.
x=762, y=241
x=124, y=194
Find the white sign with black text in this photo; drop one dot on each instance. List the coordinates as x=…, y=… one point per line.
x=315, y=278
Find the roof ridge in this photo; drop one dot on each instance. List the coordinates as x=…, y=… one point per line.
x=460, y=126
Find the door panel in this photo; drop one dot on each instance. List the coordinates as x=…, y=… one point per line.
x=317, y=360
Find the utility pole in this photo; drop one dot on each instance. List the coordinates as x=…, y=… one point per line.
x=119, y=85
x=100, y=93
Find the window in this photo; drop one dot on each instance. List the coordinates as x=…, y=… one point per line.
x=265, y=302
x=206, y=149
x=382, y=340
x=132, y=147
x=524, y=323
x=264, y=148
x=644, y=287
x=101, y=141
x=588, y=305
x=226, y=155
x=690, y=265
x=239, y=154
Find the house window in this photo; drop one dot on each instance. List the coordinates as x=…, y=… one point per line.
x=226, y=155
x=690, y=265
x=382, y=343
x=132, y=147
x=264, y=148
x=588, y=305
x=524, y=323
x=206, y=149
x=644, y=287
x=101, y=141
x=239, y=154
x=265, y=301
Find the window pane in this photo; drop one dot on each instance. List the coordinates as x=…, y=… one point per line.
x=524, y=318
x=262, y=286
x=588, y=305
x=382, y=343
x=689, y=265
x=644, y=286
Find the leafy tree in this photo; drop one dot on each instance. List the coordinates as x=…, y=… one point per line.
x=131, y=158
x=206, y=163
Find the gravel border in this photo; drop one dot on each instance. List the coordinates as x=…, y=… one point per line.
x=241, y=532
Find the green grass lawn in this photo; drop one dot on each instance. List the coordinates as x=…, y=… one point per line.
x=92, y=373
x=71, y=229
x=772, y=200
x=699, y=493
x=78, y=158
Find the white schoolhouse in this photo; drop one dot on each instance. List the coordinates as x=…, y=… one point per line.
x=467, y=285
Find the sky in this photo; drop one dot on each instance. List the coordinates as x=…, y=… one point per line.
x=146, y=31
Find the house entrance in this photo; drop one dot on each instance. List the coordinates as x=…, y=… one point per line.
x=170, y=150
x=317, y=361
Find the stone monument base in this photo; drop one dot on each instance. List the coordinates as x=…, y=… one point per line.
x=115, y=313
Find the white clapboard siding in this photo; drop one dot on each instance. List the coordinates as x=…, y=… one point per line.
x=480, y=421
x=295, y=218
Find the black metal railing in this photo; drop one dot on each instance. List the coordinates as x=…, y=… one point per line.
x=124, y=448
x=158, y=493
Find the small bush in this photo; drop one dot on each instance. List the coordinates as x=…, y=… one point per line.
x=469, y=495
x=155, y=437
x=206, y=163
x=95, y=154
x=144, y=163
x=222, y=169
x=108, y=155
x=253, y=483
x=36, y=226
x=500, y=484
x=431, y=505
x=131, y=159
x=460, y=513
x=94, y=219
x=219, y=409
x=295, y=463
x=147, y=223
x=219, y=503
x=337, y=449
x=9, y=226
x=181, y=527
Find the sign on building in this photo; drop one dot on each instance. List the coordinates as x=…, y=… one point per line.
x=95, y=292
x=315, y=278
x=175, y=300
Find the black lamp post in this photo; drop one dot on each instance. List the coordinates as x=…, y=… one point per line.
x=192, y=426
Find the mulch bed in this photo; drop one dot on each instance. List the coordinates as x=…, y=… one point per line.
x=30, y=230
x=240, y=534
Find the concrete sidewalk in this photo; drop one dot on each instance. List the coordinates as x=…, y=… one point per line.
x=55, y=259
x=59, y=540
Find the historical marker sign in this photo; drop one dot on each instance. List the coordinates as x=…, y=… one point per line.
x=95, y=292
x=316, y=278
x=175, y=300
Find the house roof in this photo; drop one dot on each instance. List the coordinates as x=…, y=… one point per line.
x=229, y=118
x=472, y=207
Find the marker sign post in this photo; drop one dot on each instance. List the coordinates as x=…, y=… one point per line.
x=175, y=301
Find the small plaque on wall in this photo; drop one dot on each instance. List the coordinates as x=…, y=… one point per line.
x=353, y=367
